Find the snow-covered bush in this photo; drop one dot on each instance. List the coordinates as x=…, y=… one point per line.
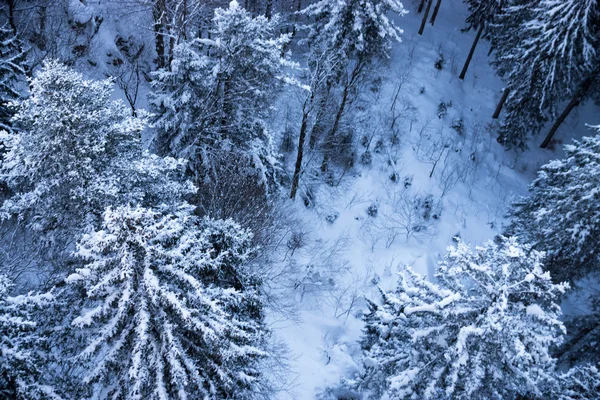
x=162, y=308
x=483, y=330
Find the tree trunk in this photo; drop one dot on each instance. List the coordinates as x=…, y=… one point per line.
x=354, y=76
x=424, y=21
x=11, y=16
x=298, y=168
x=334, y=128
x=303, y=127
x=158, y=15
x=579, y=95
x=501, y=103
x=269, y=10
x=319, y=126
x=435, y=11
x=470, y=56
x=421, y=5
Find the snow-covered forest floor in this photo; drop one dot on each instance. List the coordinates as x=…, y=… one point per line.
x=474, y=179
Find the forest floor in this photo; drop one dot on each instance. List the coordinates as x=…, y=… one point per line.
x=474, y=179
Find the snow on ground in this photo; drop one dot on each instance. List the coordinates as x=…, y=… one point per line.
x=323, y=343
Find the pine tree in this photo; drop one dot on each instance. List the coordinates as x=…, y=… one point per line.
x=218, y=93
x=21, y=355
x=561, y=215
x=482, y=331
x=579, y=383
x=161, y=307
x=546, y=52
x=76, y=152
x=12, y=73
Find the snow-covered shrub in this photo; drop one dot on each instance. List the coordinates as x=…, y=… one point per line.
x=162, y=307
x=483, y=330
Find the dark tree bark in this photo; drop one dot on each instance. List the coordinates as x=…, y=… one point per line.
x=501, y=103
x=577, y=98
x=306, y=109
x=470, y=56
x=158, y=14
x=421, y=5
x=319, y=125
x=424, y=21
x=436, y=9
x=269, y=9
x=348, y=86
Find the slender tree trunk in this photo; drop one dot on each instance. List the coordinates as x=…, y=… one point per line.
x=301, y=139
x=298, y=168
x=334, y=128
x=269, y=9
x=436, y=9
x=354, y=76
x=501, y=103
x=579, y=95
x=184, y=21
x=424, y=21
x=421, y=5
x=319, y=126
x=158, y=15
x=11, y=16
x=470, y=56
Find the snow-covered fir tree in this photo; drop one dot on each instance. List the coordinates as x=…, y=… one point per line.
x=482, y=12
x=483, y=330
x=579, y=383
x=12, y=73
x=161, y=308
x=76, y=152
x=561, y=215
x=21, y=350
x=353, y=28
x=546, y=51
x=218, y=92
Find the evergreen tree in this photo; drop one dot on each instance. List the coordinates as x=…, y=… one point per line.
x=218, y=93
x=21, y=349
x=161, y=308
x=12, y=71
x=561, y=215
x=76, y=152
x=579, y=383
x=546, y=51
x=482, y=331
